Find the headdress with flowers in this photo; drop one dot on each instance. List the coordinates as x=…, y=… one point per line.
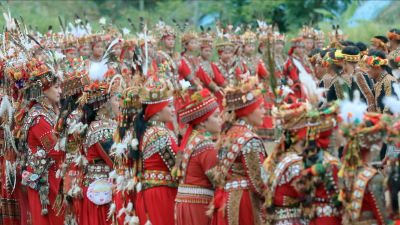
x=224, y=37
x=337, y=34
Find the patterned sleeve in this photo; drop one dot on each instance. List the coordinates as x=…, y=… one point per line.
x=209, y=160
x=253, y=155
x=205, y=79
x=218, y=78
x=377, y=199
x=45, y=134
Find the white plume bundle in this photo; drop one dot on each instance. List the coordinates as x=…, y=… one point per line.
x=392, y=103
x=134, y=220
x=112, y=210
x=351, y=112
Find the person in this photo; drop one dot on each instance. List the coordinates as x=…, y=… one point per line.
x=39, y=143
x=308, y=35
x=359, y=79
x=208, y=73
x=167, y=52
x=98, y=66
x=197, y=159
x=333, y=62
x=100, y=108
x=312, y=60
x=128, y=56
x=126, y=157
x=320, y=39
x=291, y=72
x=249, y=42
x=70, y=131
x=380, y=43
x=394, y=42
x=239, y=194
x=325, y=78
x=284, y=166
x=84, y=46
x=158, y=146
x=383, y=82
x=70, y=48
x=361, y=188
x=280, y=58
x=391, y=191
x=320, y=168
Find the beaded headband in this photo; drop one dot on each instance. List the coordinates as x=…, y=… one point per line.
x=243, y=95
x=351, y=58
x=199, y=108
x=375, y=61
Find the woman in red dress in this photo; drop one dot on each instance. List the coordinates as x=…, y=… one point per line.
x=208, y=73
x=100, y=106
x=156, y=189
x=39, y=142
x=239, y=195
x=197, y=159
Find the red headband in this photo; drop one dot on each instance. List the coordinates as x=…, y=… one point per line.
x=131, y=48
x=167, y=36
x=250, y=108
x=203, y=47
x=152, y=109
x=116, y=44
x=70, y=50
x=148, y=43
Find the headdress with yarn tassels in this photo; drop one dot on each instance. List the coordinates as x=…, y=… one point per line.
x=202, y=106
x=164, y=31
x=307, y=32
x=77, y=76
x=393, y=35
x=380, y=43
x=375, y=61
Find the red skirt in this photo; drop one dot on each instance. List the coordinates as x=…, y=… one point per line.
x=122, y=199
x=10, y=203
x=159, y=202
x=191, y=213
x=326, y=221
x=36, y=207
x=220, y=216
x=92, y=213
x=266, y=131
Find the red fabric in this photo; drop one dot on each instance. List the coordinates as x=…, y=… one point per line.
x=70, y=50
x=42, y=130
x=261, y=70
x=184, y=71
x=152, y=109
x=198, y=165
x=97, y=152
x=369, y=204
x=121, y=199
x=291, y=50
x=220, y=52
x=82, y=46
x=218, y=78
x=92, y=213
x=250, y=108
x=160, y=205
x=47, y=87
x=131, y=48
x=203, y=76
x=10, y=204
x=203, y=47
x=167, y=36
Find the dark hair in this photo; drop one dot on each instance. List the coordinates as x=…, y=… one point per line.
x=337, y=68
x=314, y=51
x=323, y=52
x=67, y=107
x=343, y=43
x=140, y=124
x=379, y=54
x=393, y=184
x=349, y=43
x=361, y=46
x=397, y=31
x=382, y=38
x=351, y=50
x=88, y=115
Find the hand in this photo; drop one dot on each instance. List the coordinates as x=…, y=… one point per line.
x=290, y=82
x=199, y=87
x=217, y=89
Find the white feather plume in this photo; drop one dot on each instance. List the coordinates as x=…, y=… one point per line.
x=351, y=111
x=392, y=103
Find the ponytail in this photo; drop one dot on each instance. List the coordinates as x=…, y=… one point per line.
x=140, y=124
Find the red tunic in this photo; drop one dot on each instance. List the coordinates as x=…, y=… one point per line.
x=292, y=72
x=231, y=76
x=156, y=199
x=195, y=191
x=209, y=75
x=238, y=198
x=42, y=141
x=96, y=145
x=283, y=206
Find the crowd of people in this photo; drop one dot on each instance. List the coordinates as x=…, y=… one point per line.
x=117, y=127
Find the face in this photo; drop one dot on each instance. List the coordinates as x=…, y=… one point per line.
x=256, y=117
x=192, y=45
x=84, y=51
x=117, y=50
x=115, y=105
x=167, y=114
x=226, y=55
x=374, y=46
x=98, y=49
x=249, y=49
x=150, y=49
x=320, y=45
x=53, y=94
x=298, y=50
x=39, y=54
x=308, y=44
x=392, y=44
x=131, y=53
x=238, y=49
x=206, y=53
x=71, y=55
x=278, y=47
x=321, y=71
x=169, y=43
x=213, y=123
